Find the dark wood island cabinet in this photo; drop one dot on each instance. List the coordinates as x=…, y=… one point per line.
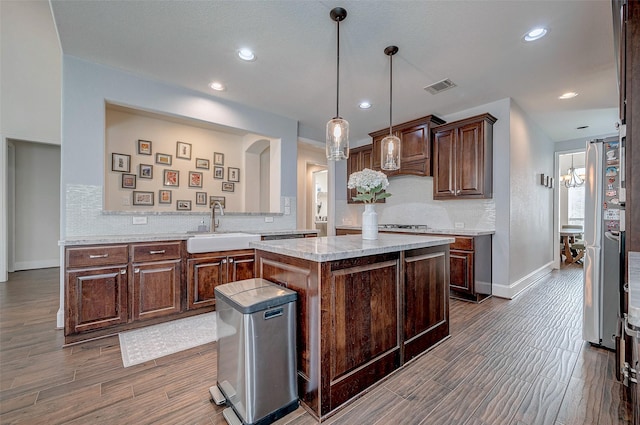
x=365, y=308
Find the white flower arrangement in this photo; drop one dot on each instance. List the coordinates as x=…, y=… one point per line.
x=369, y=184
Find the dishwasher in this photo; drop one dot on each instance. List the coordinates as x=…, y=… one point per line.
x=257, y=374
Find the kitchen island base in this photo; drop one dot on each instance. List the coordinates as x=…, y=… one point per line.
x=362, y=318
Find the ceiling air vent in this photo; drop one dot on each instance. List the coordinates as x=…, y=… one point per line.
x=440, y=86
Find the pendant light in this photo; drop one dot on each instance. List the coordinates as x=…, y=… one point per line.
x=572, y=178
x=390, y=146
x=338, y=128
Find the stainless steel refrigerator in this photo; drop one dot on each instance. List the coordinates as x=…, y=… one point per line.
x=603, y=240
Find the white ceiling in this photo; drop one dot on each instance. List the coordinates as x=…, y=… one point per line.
x=476, y=43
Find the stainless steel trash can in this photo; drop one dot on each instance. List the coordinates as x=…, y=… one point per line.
x=257, y=371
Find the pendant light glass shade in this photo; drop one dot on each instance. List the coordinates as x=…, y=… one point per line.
x=337, y=128
x=391, y=145
x=337, y=139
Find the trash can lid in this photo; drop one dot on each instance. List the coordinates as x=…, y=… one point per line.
x=256, y=296
x=238, y=286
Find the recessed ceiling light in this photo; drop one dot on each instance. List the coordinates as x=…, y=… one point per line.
x=364, y=105
x=535, y=34
x=246, y=55
x=217, y=86
x=568, y=95
x=582, y=127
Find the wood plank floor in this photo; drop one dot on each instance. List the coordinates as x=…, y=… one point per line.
x=519, y=362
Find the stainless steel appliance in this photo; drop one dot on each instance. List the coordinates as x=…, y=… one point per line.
x=257, y=375
x=603, y=238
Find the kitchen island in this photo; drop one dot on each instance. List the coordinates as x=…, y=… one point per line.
x=365, y=308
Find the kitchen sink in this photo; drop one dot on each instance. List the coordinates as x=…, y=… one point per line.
x=211, y=242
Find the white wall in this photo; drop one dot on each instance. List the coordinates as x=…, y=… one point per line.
x=30, y=72
x=37, y=205
x=309, y=158
x=531, y=204
x=30, y=89
x=124, y=128
x=87, y=86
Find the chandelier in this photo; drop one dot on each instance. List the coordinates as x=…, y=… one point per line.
x=572, y=178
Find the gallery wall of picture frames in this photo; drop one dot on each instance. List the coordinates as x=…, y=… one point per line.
x=202, y=176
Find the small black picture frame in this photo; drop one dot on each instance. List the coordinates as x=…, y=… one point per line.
x=183, y=150
x=163, y=159
x=145, y=171
x=128, y=181
x=164, y=196
x=144, y=147
x=218, y=173
x=201, y=198
x=218, y=158
x=120, y=162
x=228, y=187
x=202, y=163
x=233, y=174
x=142, y=198
x=183, y=205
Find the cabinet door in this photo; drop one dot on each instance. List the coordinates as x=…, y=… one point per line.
x=359, y=159
x=444, y=163
x=96, y=299
x=156, y=289
x=462, y=271
x=470, y=160
x=426, y=300
x=204, y=274
x=415, y=155
x=240, y=267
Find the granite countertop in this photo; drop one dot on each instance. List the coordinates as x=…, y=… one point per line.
x=330, y=248
x=430, y=231
x=109, y=239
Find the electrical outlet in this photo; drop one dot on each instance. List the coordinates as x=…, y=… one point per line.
x=459, y=225
x=287, y=210
x=268, y=219
x=287, y=202
x=139, y=220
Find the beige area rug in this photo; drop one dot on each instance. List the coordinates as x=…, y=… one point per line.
x=141, y=345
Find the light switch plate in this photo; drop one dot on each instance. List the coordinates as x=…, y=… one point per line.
x=459, y=225
x=139, y=220
x=268, y=219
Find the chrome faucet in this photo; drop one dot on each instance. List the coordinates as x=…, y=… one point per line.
x=215, y=224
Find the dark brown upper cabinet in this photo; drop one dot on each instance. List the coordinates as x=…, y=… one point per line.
x=415, y=154
x=463, y=158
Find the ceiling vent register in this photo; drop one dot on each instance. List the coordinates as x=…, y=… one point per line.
x=440, y=86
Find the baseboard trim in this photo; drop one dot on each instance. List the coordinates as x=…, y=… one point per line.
x=38, y=264
x=512, y=290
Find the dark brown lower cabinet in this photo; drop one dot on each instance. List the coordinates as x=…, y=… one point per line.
x=156, y=289
x=426, y=316
x=359, y=319
x=471, y=267
x=206, y=271
x=96, y=298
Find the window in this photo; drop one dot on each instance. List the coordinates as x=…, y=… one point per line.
x=575, y=200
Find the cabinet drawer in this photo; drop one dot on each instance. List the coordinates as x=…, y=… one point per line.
x=463, y=243
x=97, y=256
x=156, y=251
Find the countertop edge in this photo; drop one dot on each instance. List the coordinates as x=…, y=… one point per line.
x=331, y=248
x=454, y=232
x=114, y=239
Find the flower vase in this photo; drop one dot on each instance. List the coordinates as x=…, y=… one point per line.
x=369, y=222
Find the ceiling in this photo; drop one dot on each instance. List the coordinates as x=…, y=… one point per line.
x=475, y=43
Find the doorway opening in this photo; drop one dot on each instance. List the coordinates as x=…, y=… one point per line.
x=571, y=204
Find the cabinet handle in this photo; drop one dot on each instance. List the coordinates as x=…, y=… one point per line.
x=231, y=260
x=136, y=270
x=157, y=252
x=224, y=261
x=98, y=256
x=123, y=271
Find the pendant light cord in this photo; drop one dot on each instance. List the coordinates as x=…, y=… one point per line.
x=338, y=72
x=390, y=93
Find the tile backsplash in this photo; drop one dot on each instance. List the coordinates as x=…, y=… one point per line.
x=85, y=217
